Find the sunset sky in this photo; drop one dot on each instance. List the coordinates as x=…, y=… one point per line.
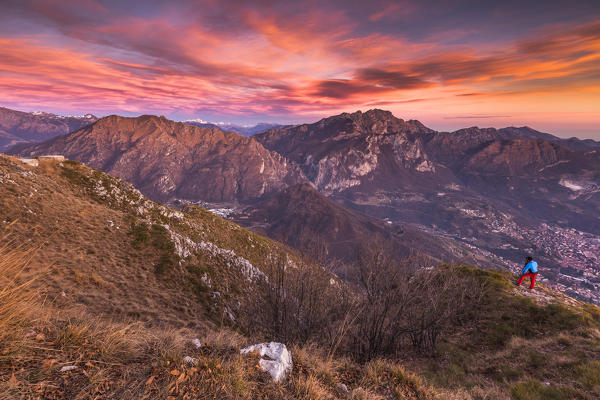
x=450, y=64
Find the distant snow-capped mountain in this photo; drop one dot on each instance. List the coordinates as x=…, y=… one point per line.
x=246, y=130
x=18, y=127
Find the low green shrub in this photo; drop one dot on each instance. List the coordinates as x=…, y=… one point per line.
x=535, y=390
x=588, y=374
x=140, y=234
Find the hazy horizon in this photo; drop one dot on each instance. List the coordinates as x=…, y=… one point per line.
x=452, y=128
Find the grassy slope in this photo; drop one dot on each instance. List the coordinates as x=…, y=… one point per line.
x=130, y=310
x=537, y=344
x=100, y=241
x=111, y=297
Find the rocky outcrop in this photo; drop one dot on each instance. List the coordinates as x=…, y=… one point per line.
x=351, y=150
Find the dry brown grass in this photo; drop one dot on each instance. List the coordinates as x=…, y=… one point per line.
x=17, y=302
x=310, y=387
x=127, y=329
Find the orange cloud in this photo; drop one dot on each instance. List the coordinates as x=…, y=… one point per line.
x=310, y=63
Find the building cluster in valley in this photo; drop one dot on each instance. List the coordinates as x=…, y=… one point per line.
x=577, y=256
x=569, y=258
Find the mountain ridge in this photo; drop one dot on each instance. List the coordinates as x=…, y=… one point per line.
x=246, y=130
x=20, y=127
x=165, y=158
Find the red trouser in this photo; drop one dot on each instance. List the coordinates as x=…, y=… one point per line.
x=531, y=276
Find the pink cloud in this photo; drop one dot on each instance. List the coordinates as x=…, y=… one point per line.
x=281, y=62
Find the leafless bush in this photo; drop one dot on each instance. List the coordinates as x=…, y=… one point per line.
x=407, y=299
x=383, y=290
x=390, y=302
x=300, y=302
x=438, y=298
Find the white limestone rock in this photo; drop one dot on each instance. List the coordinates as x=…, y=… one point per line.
x=275, y=359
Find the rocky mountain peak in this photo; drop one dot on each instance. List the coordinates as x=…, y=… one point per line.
x=371, y=122
x=374, y=114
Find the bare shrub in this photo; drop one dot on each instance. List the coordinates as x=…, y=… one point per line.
x=408, y=299
x=438, y=298
x=300, y=302
x=383, y=294
x=390, y=302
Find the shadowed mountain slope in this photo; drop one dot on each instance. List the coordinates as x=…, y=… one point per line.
x=303, y=218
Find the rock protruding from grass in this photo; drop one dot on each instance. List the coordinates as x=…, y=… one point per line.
x=275, y=359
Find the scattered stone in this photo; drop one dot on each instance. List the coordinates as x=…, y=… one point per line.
x=190, y=361
x=196, y=342
x=68, y=368
x=227, y=311
x=275, y=359
x=343, y=388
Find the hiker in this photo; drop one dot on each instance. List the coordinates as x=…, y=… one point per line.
x=530, y=270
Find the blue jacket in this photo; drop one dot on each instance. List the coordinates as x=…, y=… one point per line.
x=530, y=266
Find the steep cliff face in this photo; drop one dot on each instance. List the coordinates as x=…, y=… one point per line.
x=169, y=160
x=359, y=149
x=21, y=127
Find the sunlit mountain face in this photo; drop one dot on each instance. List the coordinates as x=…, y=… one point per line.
x=449, y=64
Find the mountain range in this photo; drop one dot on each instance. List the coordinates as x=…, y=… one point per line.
x=246, y=130
x=21, y=127
x=170, y=160
x=500, y=193
x=18, y=127
x=511, y=192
